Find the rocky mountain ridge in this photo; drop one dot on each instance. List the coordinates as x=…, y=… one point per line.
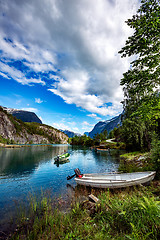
x=25, y=116
x=13, y=130
x=70, y=134
x=106, y=125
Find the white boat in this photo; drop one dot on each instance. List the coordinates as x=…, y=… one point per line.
x=115, y=180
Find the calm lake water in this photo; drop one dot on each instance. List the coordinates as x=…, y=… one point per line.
x=31, y=170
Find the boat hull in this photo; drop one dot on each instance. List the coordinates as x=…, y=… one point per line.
x=112, y=180
x=62, y=158
x=102, y=150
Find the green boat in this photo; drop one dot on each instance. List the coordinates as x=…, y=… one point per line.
x=61, y=158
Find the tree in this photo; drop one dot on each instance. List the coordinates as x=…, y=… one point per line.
x=82, y=140
x=103, y=135
x=145, y=44
x=141, y=83
x=144, y=76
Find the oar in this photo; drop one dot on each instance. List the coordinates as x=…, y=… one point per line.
x=70, y=177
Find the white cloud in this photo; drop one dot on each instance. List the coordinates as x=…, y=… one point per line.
x=12, y=72
x=4, y=75
x=30, y=109
x=38, y=100
x=63, y=126
x=93, y=115
x=87, y=124
x=87, y=127
x=81, y=38
x=34, y=58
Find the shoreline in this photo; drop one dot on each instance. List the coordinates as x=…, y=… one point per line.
x=110, y=218
x=3, y=145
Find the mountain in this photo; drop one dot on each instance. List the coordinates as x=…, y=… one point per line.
x=114, y=122
x=25, y=116
x=70, y=134
x=86, y=133
x=106, y=125
x=13, y=130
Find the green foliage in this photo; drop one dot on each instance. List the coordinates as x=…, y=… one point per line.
x=128, y=214
x=115, y=133
x=141, y=82
x=145, y=43
x=99, y=137
x=6, y=141
x=155, y=154
x=43, y=130
x=134, y=134
x=133, y=216
x=82, y=140
x=130, y=155
x=88, y=141
x=142, y=161
x=111, y=134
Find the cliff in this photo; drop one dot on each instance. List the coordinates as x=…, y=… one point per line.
x=13, y=130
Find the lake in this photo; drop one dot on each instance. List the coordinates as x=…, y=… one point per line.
x=31, y=170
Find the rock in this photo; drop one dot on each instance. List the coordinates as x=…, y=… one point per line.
x=19, y=132
x=89, y=206
x=141, y=158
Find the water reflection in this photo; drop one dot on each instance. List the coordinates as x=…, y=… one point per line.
x=20, y=161
x=32, y=170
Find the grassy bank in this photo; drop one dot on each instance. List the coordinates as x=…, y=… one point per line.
x=135, y=162
x=132, y=213
x=140, y=161
x=113, y=145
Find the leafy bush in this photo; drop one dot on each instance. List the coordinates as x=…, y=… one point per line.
x=155, y=154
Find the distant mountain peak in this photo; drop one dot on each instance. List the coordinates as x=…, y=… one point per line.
x=106, y=125
x=70, y=134
x=25, y=116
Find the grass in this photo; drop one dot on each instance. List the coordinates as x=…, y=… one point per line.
x=136, y=162
x=113, y=145
x=131, y=155
x=132, y=213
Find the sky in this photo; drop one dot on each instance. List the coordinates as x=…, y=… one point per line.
x=59, y=59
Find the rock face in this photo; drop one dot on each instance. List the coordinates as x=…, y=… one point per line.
x=106, y=125
x=19, y=132
x=25, y=116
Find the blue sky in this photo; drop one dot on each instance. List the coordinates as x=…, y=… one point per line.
x=60, y=59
